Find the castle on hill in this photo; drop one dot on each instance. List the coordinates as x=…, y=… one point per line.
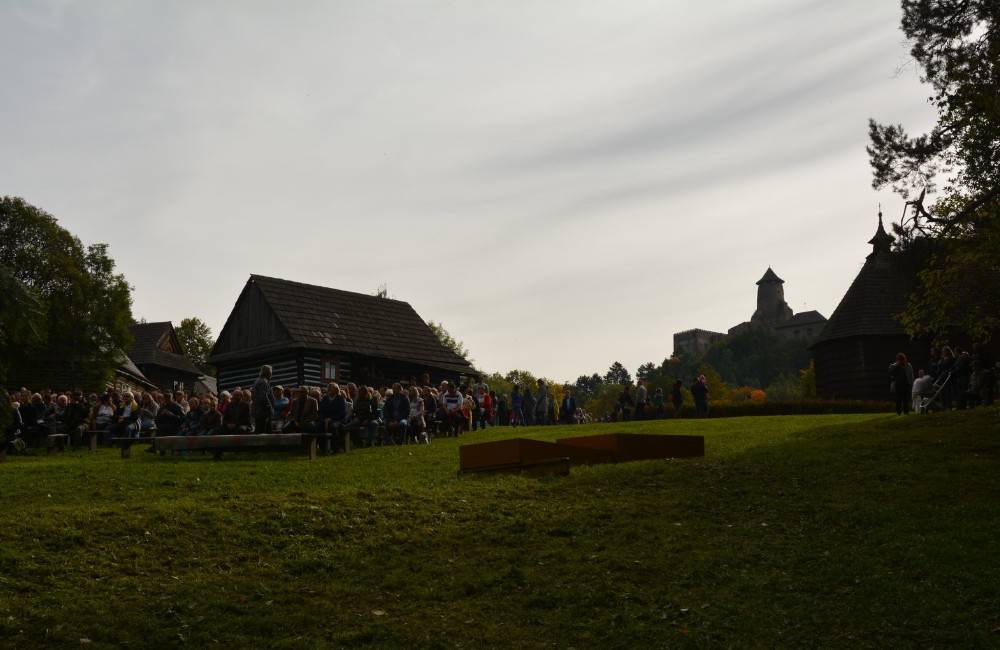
x=772, y=313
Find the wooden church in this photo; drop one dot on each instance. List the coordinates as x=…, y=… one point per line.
x=864, y=334
x=312, y=335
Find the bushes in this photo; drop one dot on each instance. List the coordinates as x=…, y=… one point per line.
x=796, y=407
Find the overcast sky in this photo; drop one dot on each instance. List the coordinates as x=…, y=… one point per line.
x=562, y=184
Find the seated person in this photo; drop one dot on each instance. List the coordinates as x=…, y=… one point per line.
x=281, y=403
x=126, y=414
x=191, y=424
x=236, y=419
x=103, y=414
x=211, y=418
x=146, y=420
x=365, y=415
x=34, y=427
x=332, y=416
x=396, y=414
x=304, y=413
x=169, y=417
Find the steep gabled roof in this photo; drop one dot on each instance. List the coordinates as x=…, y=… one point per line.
x=770, y=277
x=151, y=345
x=877, y=296
x=323, y=318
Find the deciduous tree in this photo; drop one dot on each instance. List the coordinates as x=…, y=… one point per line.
x=197, y=340
x=86, y=306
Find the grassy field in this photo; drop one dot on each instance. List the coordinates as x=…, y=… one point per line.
x=847, y=531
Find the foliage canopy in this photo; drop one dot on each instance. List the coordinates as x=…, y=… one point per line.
x=956, y=43
x=84, y=306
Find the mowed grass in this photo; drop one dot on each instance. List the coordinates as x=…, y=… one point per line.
x=851, y=531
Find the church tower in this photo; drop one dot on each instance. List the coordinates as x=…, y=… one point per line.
x=771, y=306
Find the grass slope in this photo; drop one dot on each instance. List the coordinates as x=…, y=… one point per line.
x=797, y=530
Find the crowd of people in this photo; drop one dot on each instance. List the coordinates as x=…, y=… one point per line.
x=954, y=378
x=370, y=415
x=642, y=405
x=417, y=411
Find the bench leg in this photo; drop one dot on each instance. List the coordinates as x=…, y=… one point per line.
x=217, y=455
x=92, y=442
x=126, y=451
x=347, y=442
x=313, y=445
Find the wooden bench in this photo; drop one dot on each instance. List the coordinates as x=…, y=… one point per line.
x=311, y=440
x=125, y=444
x=92, y=438
x=56, y=442
x=238, y=442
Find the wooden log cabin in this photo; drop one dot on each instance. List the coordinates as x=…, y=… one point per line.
x=312, y=335
x=864, y=334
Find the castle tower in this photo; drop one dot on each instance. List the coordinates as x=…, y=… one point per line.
x=771, y=306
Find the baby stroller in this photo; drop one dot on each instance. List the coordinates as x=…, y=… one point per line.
x=934, y=400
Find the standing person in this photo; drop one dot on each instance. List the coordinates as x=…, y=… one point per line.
x=516, y=406
x=699, y=391
x=962, y=374
x=677, y=397
x=625, y=402
x=901, y=383
x=947, y=368
x=641, y=397
x=453, y=401
x=658, y=401
x=541, y=403
x=528, y=407
x=567, y=408
x=484, y=409
x=263, y=401
x=416, y=427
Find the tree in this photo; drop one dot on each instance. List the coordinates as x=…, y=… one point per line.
x=587, y=386
x=20, y=330
x=957, y=45
x=646, y=371
x=617, y=374
x=86, y=306
x=449, y=341
x=196, y=339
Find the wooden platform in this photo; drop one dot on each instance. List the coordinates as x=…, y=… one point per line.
x=520, y=454
x=625, y=447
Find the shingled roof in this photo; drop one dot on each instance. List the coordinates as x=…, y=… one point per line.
x=770, y=277
x=148, y=343
x=802, y=318
x=322, y=318
x=875, y=299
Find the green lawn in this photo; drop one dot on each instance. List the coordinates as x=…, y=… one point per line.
x=792, y=531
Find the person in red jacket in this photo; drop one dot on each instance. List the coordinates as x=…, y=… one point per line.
x=484, y=409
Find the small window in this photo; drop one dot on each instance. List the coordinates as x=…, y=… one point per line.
x=329, y=370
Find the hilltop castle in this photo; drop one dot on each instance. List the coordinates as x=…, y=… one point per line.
x=772, y=313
